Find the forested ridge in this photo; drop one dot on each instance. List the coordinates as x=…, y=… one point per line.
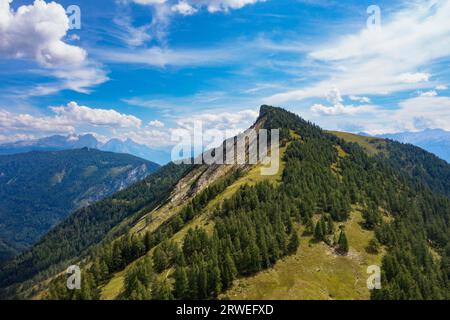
x=324, y=178
x=40, y=189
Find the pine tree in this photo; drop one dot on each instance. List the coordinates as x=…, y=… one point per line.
x=343, y=243
x=160, y=259
x=148, y=241
x=193, y=282
x=229, y=271
x=104, y=271
x=214, y=281
x=294, y=242
x=202, y=282
x=161, y=290
x=318, y=231
x=189, y=213
x=309, y=227
x=181, y=283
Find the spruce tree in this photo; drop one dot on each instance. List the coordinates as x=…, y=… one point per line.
x=294, y=242
x=343, y=243
x=318, y=231
x=181, y=283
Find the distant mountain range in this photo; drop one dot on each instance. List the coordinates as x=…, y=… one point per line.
x=436, y=141
x=59, y=142
x=39, y=189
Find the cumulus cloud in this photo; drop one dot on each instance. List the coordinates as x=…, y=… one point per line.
x=13, y=124
x=156, y=124
x=221, y=120
x=414, y=77
x=431, y=93
x=97, y=117
x=337, y=107
x=67, y=119
x=359, y=99
x=223, y=5
x=36, y=32
x=156, y=133
x=184, y=8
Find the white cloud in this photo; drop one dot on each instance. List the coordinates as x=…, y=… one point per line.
x=423, y=112
x=359, y=99
x=68, y=120
x=147, y=136
x=412, y=114
x=156, y=124
x=157, y=134
x=414, y=77
x=184, y=8
x=223, y=5
x=96, y=117
x=16, y=137
x=337, y=107
x=221, y=120
x=131, y=35
x=149, y=2
x=80, y=79
x=441, y=87
x=189, y=5
x=13, y=124
x=161, y=57
x=164, y=10
x=380, y=61
x=36, y=32
x=431, y=93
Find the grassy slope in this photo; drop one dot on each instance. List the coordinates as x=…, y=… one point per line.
x=370, y=144
x=315, y=272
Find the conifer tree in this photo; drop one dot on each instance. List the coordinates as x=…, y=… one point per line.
x=343, y=243
x=161, y=290
x=318, y=231
x=309, y=227
x=181, y=283
x=294, y=242
x=229, y=271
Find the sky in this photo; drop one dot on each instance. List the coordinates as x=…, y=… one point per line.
x=142, y=69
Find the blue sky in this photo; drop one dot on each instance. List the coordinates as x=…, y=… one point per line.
x=141, y=68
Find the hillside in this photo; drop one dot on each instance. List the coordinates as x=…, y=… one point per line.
x=40, y=189
x=419, y=165
x=436, y=141
x=337, y=205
